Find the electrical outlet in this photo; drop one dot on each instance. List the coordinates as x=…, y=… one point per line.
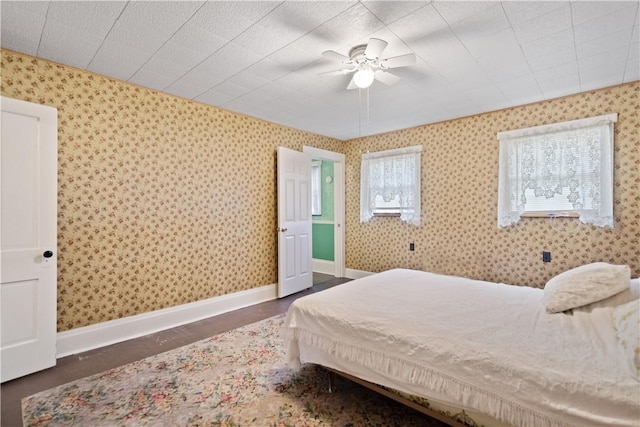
x=546, y=256
x=412, y=246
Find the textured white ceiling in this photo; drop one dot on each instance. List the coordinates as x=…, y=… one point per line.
x=262, y=58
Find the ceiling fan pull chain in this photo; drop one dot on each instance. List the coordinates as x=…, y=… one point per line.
x=368, y=103
x=360, y=113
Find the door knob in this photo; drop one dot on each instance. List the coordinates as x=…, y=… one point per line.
x=47, y=254
x=282, y=229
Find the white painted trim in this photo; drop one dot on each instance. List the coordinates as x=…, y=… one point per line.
x=393, y=152
x=357, y=274
x=114, y=331
x=323, y=266
x=339, y=216
x=339, y=177
x=318, y=221
x=319, y=153
x=607, y=119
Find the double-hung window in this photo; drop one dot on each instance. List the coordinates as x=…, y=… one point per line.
x=390, y=184
x=559, y=169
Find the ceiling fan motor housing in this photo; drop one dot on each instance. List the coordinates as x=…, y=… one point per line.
x=357, y=54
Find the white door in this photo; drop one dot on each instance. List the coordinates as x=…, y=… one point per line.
x=294, y=222
x=28, y=174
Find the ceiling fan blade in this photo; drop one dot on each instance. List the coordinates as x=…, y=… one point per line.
x=398, y=61
x=339, y=72
x=374, y=48
x=335, y=56
x=352, y=84
x=386, y=77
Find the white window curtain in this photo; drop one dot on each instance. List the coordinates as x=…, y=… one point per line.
x=391, y=174
x=569, y=162
x=316, y=187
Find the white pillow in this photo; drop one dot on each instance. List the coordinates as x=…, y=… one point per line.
x=584, y=285
x=627, y=322
x=630, y=294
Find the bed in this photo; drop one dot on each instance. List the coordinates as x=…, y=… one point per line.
x=490, y=350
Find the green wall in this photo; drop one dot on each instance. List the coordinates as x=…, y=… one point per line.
x=323, y=236
x=327, y=192
x=323, y=241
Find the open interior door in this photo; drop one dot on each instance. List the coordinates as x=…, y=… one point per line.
x=294, y=222
x=29, y=159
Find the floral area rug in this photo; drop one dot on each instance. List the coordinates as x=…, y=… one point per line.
x=237, y=378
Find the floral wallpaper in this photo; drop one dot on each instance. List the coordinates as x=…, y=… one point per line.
x=161, y=201
x=459, y=233
x=164, y=201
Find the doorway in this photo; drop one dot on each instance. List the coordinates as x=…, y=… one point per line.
x=330, y=224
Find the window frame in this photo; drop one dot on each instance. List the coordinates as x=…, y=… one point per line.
x=508, y=210
x=369, y=209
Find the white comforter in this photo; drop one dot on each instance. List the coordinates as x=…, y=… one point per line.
x=482, y=346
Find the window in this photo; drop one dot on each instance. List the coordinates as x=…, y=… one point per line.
x=316, y=187
x=390, y=184
x=557, y=169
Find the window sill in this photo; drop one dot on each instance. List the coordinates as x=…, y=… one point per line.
x=550, y=215
x=386, y=215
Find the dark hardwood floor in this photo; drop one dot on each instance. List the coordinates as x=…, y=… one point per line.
x=81, y=365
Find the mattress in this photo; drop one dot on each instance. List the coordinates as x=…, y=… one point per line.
x=484, y=347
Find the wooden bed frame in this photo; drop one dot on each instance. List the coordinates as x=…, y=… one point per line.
x=411, y=404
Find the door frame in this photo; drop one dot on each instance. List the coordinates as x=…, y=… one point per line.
x=339, y=162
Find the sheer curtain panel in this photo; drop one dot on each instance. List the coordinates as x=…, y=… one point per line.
x=560, y=167
x=388, y=178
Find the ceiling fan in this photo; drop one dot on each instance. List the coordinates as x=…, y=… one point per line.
x=366, y=63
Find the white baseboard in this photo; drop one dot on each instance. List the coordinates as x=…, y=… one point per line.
x=356, y=274
x=114, y=331
x=324, y=266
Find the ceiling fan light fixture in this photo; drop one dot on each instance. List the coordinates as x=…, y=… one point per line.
x=363, y=78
